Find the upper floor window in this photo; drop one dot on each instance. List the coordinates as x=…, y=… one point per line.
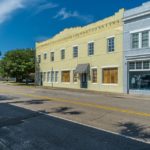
x=111, y=44
x=52, y=56
x=39, y=59
x=63, y=54
x=135, y=40
x=145, y=39
x=91, y=48
x=45, y=55
x=75, y=51
x=140, y=39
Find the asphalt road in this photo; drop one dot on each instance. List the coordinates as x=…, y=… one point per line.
x=26, y=121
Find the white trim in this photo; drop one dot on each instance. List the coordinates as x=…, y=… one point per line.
x=140, y=40
x=112, y=36
x=65, y=70
x=94, y=67
x=95, y=83
x=133, y=17
x=138, y=70
x=138, y=59
x=92, y=41
x=52, y=51
x=75, y=46
x=111, y=66
x=111, y=84
x=149, y=38
x=140, y=30
x=62, y=48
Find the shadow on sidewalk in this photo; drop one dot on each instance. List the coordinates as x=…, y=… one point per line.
x=134, y=130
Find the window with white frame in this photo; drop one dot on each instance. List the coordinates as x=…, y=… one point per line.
x=45, y=55
x=94, y=75
x=75, y=51
x=139, y=65
x=52, y=56
x=111, y=44
x=75, y=76
x=145, y=39
x=135, y=40
x=52, y=76
x=91, y=48
x=39, y=59
x=44, y=76
x=140, y=39
x=56, y=76
x=63, y=54
x=48, y=76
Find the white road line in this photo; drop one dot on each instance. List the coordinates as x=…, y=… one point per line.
x=100, y=129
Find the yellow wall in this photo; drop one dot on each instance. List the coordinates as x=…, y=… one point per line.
x=97, y=32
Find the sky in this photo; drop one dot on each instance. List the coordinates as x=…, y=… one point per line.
x=23, y=22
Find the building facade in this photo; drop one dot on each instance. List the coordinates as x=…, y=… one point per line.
x=89, y=57
x=137, y=50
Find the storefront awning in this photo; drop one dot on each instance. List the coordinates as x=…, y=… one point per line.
x=82, y=68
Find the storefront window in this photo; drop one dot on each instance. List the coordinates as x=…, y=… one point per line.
x=110, y=75
x=139, y=80
x=65, y=76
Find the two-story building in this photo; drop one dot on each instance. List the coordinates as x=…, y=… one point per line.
x=137, y=50
x=89, y=57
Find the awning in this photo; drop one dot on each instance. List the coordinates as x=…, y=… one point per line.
x=82, y=68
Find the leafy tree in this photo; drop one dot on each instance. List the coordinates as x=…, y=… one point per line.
x=18, y=63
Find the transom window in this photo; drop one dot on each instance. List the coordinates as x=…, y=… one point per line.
x=91, y=48
x=139, y=65
x=75, y=51
x=111, y=44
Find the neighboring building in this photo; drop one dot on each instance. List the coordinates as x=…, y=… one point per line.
x=89, y=57
x=137, y=50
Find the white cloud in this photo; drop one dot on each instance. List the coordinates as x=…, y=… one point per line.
x=64, y=14
x=45, y=6
x=8, y=6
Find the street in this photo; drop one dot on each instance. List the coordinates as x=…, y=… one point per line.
x=33, y=118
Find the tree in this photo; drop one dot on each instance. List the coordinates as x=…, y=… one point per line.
x=18, y=63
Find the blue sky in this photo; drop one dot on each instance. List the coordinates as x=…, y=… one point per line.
x=23, y=22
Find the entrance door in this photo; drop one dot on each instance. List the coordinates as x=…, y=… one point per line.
x=83, y=80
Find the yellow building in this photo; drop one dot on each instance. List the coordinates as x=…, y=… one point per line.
x=89, y=57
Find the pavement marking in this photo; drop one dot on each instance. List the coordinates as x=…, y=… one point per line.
x=85, y=104
x=100, y=129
